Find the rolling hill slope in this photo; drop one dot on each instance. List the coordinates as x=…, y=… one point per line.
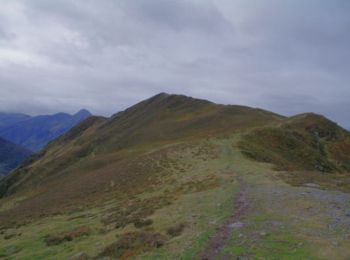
x=174, y=177
x=159, y=121
x=303, y=142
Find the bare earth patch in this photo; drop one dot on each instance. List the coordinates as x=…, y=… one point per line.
x=224, y=234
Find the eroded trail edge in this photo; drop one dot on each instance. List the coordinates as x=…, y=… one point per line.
x=223, y=235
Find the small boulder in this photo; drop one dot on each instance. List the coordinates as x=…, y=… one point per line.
x=312, y=185
x=236, y=225
x=263, y=233
x=79, y=256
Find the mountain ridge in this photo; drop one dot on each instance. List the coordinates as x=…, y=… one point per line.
x=35, y=132
x=195, y=117
x=155, y=179
x=158, y=120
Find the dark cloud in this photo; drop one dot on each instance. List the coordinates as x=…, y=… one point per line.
x=288, y=56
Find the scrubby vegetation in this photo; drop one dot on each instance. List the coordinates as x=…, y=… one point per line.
x=307, y=142
x=56, y=239
x=159, y=180
x=134, y=243
x=176, y=230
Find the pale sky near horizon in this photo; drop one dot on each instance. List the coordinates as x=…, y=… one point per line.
x=289, y=56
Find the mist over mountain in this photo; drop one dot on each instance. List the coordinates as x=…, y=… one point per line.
x=34, y=132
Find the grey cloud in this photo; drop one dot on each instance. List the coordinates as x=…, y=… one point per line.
x=287, y=56
x=179, y=15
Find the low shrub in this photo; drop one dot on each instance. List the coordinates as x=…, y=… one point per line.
x=176, y=230
x=57, y=239
x=139, y=223
x=133, y=243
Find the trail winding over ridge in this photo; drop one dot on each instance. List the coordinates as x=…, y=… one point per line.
x=223, y=235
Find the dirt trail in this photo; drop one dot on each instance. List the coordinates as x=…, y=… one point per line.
x=223, y=235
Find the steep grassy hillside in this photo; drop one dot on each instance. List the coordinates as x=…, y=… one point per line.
x=11, y=156
x=304, y=142
x=180, y=178
x=101, y=151
x=308, y=147
x=35, y=132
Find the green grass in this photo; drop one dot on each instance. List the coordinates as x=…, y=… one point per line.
x=202, y=190
x=274, y=246
x=308, y=142
x=169, y=162
x=202, y=208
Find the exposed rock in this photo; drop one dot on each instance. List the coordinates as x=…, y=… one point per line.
x=312, y=185
x=236, y=225
x=79, y=256
x=263, y=233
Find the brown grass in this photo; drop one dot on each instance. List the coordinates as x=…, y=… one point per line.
x=57, y=239
x=176, y=230
x=133, y=243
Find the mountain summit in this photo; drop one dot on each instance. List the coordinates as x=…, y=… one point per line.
x=160, y=120
x=82, y=114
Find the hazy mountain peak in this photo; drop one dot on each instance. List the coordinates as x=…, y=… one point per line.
x=35, y=132
x=82, y=113
x=165, y=99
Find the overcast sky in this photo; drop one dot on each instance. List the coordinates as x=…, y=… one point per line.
x=287, y=56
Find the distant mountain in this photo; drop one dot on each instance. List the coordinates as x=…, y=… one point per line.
x=33, y=133
x=11, y=119
x=11, y=156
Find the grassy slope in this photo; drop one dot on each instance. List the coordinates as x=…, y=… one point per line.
x=287, y=222
x=193, y=181
x=308, y=148
x=77, y=168
x=305, y=142
x=200, y=183
x=176, y=164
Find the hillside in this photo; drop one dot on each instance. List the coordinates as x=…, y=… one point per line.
x=303, y=142
x=11, y=156
x=309, y=147
x=174, y=177
x=35, y=132
x=154, y=123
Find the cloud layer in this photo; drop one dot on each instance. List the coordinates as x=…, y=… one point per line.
x=287, y=56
